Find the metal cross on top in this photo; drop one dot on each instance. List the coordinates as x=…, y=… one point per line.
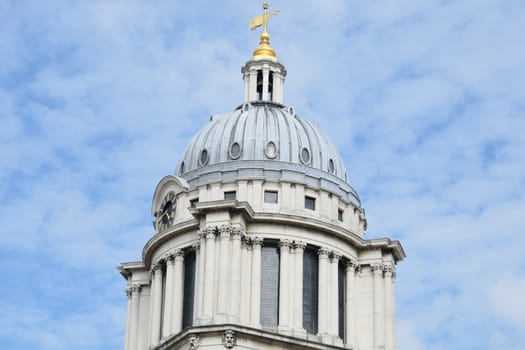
x=262, y=20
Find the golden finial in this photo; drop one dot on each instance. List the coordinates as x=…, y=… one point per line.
x=264, y=49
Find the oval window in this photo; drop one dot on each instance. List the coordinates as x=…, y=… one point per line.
x=305, y=156
x=235, y=150
x=182, y=167
x=331, y=166
x=271, y=150
x=204, y=157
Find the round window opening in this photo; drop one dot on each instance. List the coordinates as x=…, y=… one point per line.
x=305, y=156
x=271, y=150
x=204, y=157
x=331, y=166
x=235, y=150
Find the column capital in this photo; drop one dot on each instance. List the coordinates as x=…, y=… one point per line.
x=300, y=245
x=257, y=241
x=135, y=289
x=377, y=268
x=179, y=254
x=352, y=265
x=390, y=271
x=225, y=230
x=157, y=267
x=128, y=292
x=169, y=257
x=285, y=244
x=323, y=252
x=237, y=233
x=336, y=255
x=210, y=232
x=197, y=246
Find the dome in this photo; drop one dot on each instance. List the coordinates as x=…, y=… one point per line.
x=264, y=136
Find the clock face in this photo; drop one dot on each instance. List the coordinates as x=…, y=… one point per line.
x=166, y=213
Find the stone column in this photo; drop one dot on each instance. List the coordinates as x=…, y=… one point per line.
x=298, y=290
x=253, y=85
x=168, y=298
x=208, y=278
x=323, y=326
x=196, y=313
x=178, y=292
x=379, y=297
x=235, y=294
x=389, y=308
x=277, y=87
x=224, y=254
x=246, y=87
x=284, y=285
x=350, y=269
x=291, y=283
x=128, y=318
x=157, y=304
x=266, y=76
x=246, y=267
x=134, y=319
x=256, y=282
x=201, y=274
x=334, y=294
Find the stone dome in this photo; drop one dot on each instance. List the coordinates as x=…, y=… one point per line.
x=264, y=135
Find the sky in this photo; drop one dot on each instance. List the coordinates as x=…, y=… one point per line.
x=424, y=99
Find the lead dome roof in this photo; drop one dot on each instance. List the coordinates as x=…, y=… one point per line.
x=264, y=135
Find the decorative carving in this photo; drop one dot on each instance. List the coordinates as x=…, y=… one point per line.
x=229, y=340
x=323, y=252
x=336, y=255
x=128, y=292
x=352, y=265
x=285, y=244
x=135, y=289
x=300, y=245
x=179, y=254
x=377, y=268
x=194, y=342
x=225, y=230
x=257, y=242
x=237, y=233
x=210, y=232
x=197, y=246
x=389, y=271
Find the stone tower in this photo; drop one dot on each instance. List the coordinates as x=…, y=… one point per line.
x=259, y=238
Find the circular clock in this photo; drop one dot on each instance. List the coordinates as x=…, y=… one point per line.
x=166, y=213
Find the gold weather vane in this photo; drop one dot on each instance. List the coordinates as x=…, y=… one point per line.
x=258, y=21
x=264, y=49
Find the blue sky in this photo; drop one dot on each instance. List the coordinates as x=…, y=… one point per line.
x=424, y=99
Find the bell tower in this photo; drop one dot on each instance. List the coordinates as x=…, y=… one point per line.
x=263, y=75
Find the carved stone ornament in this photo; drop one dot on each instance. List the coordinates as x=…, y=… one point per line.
x=285, y=243
x=323, y=252
x=336, y=255
x=257, y=241
x=377, y=268
x=229, y=340
x=225, y=230
x=353, y=265
x=300, y=245
x=194, y=342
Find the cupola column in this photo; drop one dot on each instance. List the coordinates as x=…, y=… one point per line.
x=255, y=321
x=178, y=293
x=157, y=304
x=324, y=279
x=266, y=84
x=379, y=297
x=284, y=287
x=277, y=92
x=252, y=94
x=334, y=294
x=350, y=310
x=201, y=259
x=209, y=274
x=168, y=300
x=224, y=255
x=246, y=267
x=297, y=299
x=235, y=295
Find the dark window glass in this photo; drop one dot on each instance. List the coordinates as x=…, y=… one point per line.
x=204, y=157
x=269, y=285
x=341, y=285
x=340, y=214
x=189, y=290
x=305, y=156
x=193, y=202
x=309, y=203
x=230, y=195
x=310, y=290
x=270, y=197
x=331, y=166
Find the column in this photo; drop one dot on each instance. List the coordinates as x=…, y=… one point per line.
x=196, y=313
x=323, y=291
x=379, y=297
x=291, y=283
x=201, y=274
x=128, y=319
x=134, y=320
x=266, y=75
x=253, y=85
x=333, y=298
x=157, y=304
x=298, y=290
x=246, y=267
x=276, y=92
x=151, y=303
x=224, y=254
x=350, y=311
x=208, y=278
x=256, y=282
x=246, y=88
x=389, y=308
x=235, y=295
x=284, y=287
x=178, y=292
x=168, y=298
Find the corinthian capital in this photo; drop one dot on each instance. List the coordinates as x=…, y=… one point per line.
x=285, y=244
x=377, y=268
x=225, y=230
x=257, y=241
x=336, y=255
x=352, y=265
x=323, y=252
